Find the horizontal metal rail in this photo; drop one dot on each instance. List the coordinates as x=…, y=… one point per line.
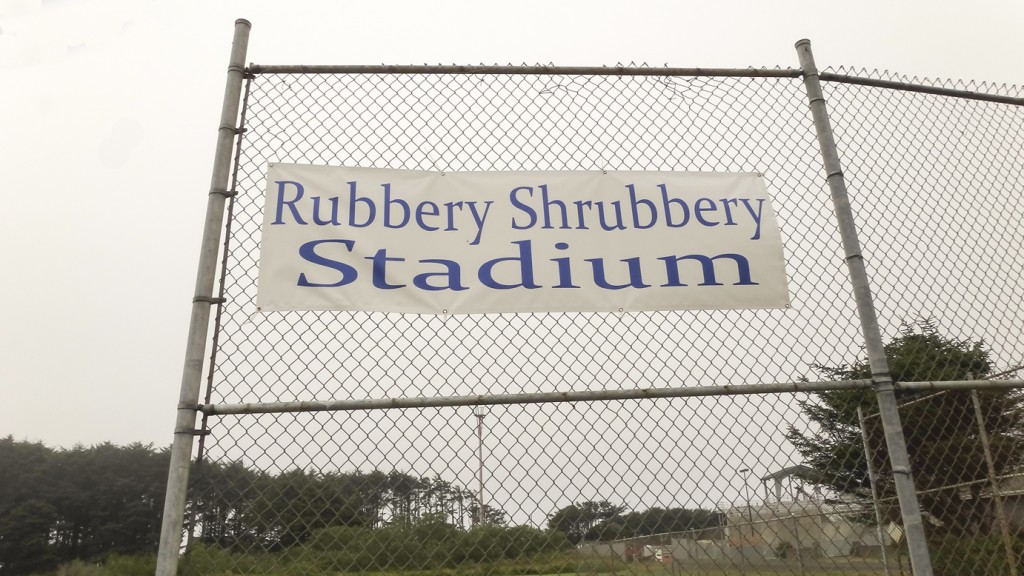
x=454, y=69
x=907, y=87
x=974, y=386
x=961, y=385
x=959, y=485
x=584, y=396
x=529, y=398
x=523, y=70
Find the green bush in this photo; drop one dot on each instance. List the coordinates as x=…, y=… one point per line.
x=205, y=560
x=137, y=565
x=79, y=568
x=783, y=550
x=113, y=565
x=338, y=537
x=425, y=548
x=981, y=556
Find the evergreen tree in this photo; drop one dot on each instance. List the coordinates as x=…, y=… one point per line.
x=25, y=513
x=656, y=521
x=941, y=430
x=577, y=521
x=82, y=503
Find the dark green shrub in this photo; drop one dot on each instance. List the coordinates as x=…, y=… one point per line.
x=980, y=556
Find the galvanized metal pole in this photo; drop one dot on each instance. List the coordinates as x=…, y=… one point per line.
x=884, y=390
x=192, y=374
x=480, y=412
x=743, y=539
x=1004, y=525
x=874, y=488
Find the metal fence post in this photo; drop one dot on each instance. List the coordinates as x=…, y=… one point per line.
x=874, y=488
x=884, y=390
x=1004, y=525
x=188, y=400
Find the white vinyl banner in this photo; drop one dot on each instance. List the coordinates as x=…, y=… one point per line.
x=339, y=238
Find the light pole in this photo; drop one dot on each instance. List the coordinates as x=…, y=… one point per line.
x=746, y=496
x=480, y=412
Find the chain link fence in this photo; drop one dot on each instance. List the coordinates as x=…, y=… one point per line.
x=965, y=448
x=717, y=477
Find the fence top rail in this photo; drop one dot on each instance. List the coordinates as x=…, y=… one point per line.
x=526, y=70
x=522, y=70
x=919, y=88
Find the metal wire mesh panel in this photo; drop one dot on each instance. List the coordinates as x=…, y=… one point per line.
x=937, y=184
x=530, y=122
x=709, y=484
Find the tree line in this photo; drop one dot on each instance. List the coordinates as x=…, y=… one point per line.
x=86, y=503
x=603, y=521
x=237, y=507
x=80, y=503
x=58, y=505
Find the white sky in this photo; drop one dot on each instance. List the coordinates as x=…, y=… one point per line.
x=109, y=120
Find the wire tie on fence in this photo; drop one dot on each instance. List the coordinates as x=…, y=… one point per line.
x=235, y=129
x=236, y=68
x=209, y=299
x=224, y=193
x=852, y=256
x=192, y=431
x=901, y=470
x=189, y=406
x=834, y=173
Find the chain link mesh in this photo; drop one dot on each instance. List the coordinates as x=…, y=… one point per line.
x=758, y=484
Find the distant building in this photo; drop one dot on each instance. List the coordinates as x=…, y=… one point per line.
x=791, y=521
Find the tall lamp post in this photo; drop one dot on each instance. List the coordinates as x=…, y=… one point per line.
x=480, y=412
x=746, y=496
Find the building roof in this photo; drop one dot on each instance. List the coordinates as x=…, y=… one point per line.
x=800, y=470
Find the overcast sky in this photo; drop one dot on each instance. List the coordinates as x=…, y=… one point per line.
x=110, y=113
